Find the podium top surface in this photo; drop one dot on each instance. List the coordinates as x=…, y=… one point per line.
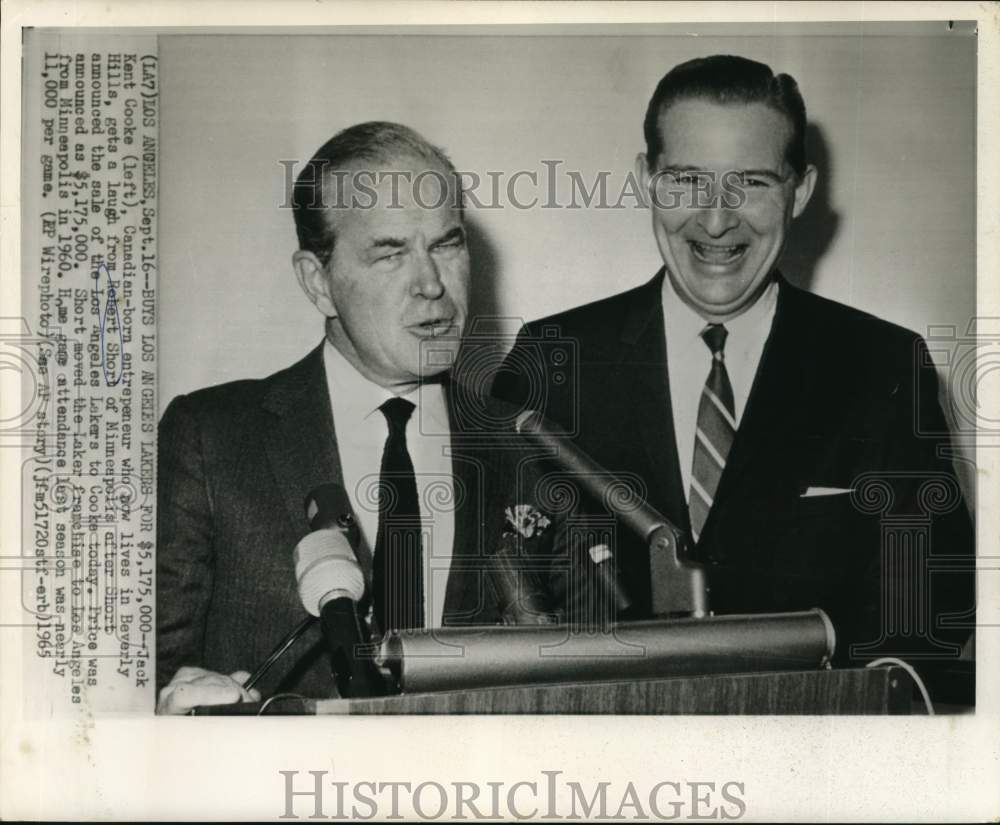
x=883, y=690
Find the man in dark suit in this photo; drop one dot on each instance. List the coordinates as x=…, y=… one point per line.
x=383, y=258
x=784, y=432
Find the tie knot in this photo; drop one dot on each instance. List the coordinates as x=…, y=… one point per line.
x=714, y=336
x=397, y=412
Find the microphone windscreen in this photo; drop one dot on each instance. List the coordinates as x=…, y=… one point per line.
x=325, y=563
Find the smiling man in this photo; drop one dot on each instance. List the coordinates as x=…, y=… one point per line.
x=429, y=469
x=724, y=190
x=775, y=426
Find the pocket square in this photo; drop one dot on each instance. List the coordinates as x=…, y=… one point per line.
x=815, y=492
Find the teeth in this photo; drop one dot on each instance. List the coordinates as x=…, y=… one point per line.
x=716, y=254
x=720, y=249
x=436, y=328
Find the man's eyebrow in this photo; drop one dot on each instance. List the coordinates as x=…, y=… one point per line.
x=393, y=243
x=760, y=173
x=453, y=234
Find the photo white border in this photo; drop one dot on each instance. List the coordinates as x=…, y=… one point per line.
x=914, y=769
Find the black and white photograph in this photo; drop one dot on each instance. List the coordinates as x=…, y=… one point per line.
x=603, y=401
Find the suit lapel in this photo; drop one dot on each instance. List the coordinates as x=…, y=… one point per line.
x=302, y=450
x=644, y=353
x=301, y=446
x=769, y=411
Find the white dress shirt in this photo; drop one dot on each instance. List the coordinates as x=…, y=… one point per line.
x=361, y=430
x=689, y=361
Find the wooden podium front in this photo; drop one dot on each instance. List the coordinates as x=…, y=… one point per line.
x=885, y=690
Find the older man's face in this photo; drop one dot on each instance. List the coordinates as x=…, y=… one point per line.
x=399, y=275
x=723, y=199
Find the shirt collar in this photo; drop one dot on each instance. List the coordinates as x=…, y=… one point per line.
x=357, y=398
x=681, y=320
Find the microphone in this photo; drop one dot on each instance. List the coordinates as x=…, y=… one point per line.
x=599, y=483
x=678, y=585
x=328, y=507
x=331, y=585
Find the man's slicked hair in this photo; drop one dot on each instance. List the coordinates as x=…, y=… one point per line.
x=726, y=79
x=377, y=142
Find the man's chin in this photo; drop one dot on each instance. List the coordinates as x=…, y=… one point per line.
x=718, y=304
x=719, y=293
x=437, y=362
x=432, y=374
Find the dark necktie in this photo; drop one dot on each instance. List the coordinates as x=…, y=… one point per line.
x=397, y=569
x=715, y=431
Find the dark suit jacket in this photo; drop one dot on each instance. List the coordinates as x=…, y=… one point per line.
x=236, y=462
x=841, y=399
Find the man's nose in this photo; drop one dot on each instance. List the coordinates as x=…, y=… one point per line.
x=717, y=217
x=427, y=281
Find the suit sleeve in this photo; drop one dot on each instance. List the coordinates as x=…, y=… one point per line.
x=583, y=591
x=926, y=495
x=185, y=565
x=580, y=591
x=952, y=567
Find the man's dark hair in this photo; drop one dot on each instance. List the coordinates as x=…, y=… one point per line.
x=723, y=78
x=378, y=142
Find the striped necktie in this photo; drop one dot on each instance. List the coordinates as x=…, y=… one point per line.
x=714, y=433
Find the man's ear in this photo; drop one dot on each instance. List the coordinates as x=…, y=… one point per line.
x=644, y=176
x=315, y=282
x=804, y=190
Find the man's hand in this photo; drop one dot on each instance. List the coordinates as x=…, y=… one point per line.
x=193, y=686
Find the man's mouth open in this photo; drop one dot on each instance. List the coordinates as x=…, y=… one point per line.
x=435, y=328
x=717, y=254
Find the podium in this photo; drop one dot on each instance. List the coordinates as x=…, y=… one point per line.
x=883, y=690
x=762, y=664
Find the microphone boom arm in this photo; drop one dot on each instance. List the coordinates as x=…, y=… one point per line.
x=679, y=585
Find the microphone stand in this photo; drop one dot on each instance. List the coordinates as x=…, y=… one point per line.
x=679, y=586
